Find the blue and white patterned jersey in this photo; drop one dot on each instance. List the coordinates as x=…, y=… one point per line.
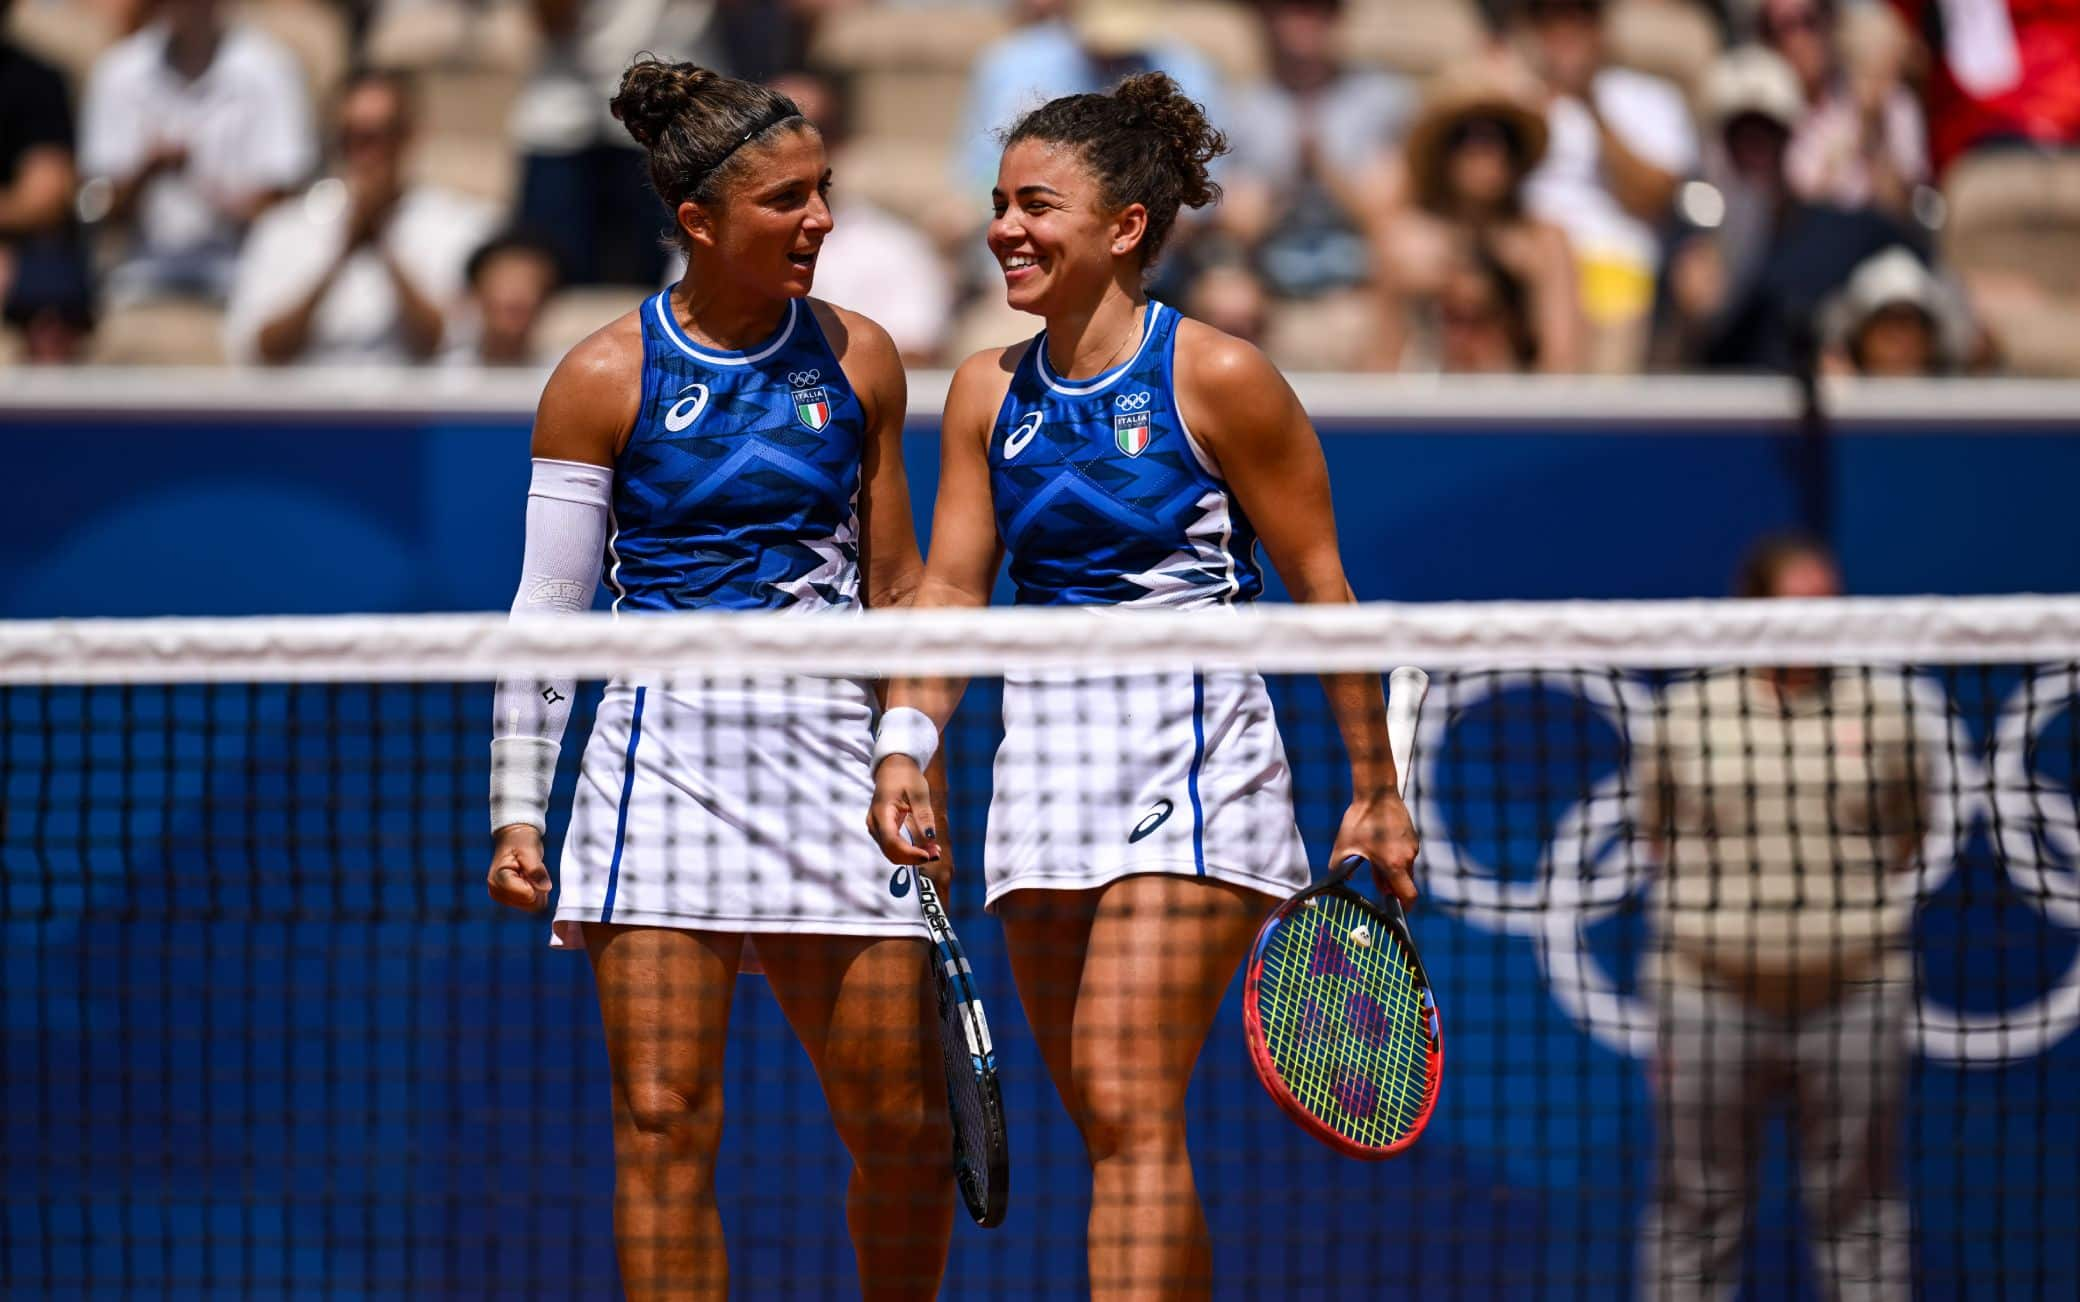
x=1102, y=495
x=739, y=487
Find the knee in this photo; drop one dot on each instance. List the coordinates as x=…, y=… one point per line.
x=1117, y=1130
x=898, y=1127
x=668, y=1120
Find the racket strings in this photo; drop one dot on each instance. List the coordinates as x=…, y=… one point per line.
x=1345, y=1021
x=964, y=1094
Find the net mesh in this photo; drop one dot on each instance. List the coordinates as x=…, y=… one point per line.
x=1744, y=977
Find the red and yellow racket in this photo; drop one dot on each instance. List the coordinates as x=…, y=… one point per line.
x=1341, y=1021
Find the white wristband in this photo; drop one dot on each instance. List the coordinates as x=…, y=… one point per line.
x=906, y=731
x=522, y=771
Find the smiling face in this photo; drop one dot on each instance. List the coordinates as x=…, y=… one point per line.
x=764, y=232
x=1058, y=244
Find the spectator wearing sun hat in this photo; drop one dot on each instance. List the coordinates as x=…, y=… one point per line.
x=1478, y=137
x=1897, y=318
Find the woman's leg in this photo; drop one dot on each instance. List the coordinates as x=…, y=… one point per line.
x=865, y=1011
x=664, y=995
x=1156, y=957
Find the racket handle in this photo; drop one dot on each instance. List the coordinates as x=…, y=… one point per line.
x=1406, y=688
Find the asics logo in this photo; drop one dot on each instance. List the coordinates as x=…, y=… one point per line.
x=1131, y=401
x=1151, y=821
x=899, y=883
x=801, y=379
x=687, y=410
x=1028, y=426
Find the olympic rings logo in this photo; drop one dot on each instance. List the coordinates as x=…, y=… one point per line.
x=1131, y=401
x=802, y=379
x=1595, y=864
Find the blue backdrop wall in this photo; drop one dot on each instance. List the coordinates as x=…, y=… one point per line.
x=284, y=1084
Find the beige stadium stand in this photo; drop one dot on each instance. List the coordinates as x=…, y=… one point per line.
x=313, y=31
x=2014, y=221
x=421, y=35
x=1416, y=37
x=910, y=66
x=65, y=32
x=1668, y=38
x=169, y=332
x=1331, y=333
x=988, y=322
x=482, y=168
x=576, y=312
x=910, y=178
x=1230, y=35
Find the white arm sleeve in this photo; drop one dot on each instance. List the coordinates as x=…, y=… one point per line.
x=567, y=509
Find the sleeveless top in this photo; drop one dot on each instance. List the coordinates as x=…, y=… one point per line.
x=1102, y=495
x=739, y=487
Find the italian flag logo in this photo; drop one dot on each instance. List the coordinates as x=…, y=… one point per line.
x=812, y=407
x=1130, y=430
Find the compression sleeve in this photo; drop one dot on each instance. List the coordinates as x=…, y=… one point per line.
x=567, y=513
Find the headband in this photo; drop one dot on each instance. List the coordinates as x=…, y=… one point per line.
x=773, y=117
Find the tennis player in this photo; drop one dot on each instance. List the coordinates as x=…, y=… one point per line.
x=1141, y=826
x=731, y=444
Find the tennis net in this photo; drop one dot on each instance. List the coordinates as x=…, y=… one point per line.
x=1755, y=929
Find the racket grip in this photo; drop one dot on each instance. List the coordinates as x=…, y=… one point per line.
x=1406, y=687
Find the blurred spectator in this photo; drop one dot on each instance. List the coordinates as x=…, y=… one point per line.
x=2003, y=73
x=190, y=129
x=1478, y=137
x=1786, y=809
x=363, y=267
x=1227, y=295
x=510, y=279
x=1088, y=48
x=1752, y=262
x=1897, y=318
x=1311, y=169
x=1620, y=142
x=1483, y=319
x=43, y=277
x=872, y=261
x=1861, y=141
x=583, y=183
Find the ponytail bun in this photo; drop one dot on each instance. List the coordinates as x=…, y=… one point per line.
x=1180, y=127
x=655, y=95
x=695, y=124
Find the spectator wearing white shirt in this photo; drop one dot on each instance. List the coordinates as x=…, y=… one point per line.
x=1619, y=142
x=364, y=267
x=191, y=128
x=1862, y=142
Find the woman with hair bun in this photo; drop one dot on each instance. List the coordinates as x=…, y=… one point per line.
x=1140, y=827
x=731, y=444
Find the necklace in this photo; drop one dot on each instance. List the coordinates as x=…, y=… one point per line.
x=1133, y=332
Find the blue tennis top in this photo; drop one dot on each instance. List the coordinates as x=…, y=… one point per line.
x=739, y=487
x=1102, y=495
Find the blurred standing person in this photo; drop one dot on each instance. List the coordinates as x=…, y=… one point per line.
x=1861, y=141
x=1620, y=143
x=43, y=272
x=1468, y=155
x=364, y=267
x=582, y=182
x=1785, y=808
x=190, y=129
x=1312, y=167
x=1746, y=278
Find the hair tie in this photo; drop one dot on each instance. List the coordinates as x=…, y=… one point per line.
x=773, y=117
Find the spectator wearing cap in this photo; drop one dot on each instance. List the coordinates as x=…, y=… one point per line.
x=1069, y=49
x=1861, y=140
x=1752, y=262
x=1312, y=156
x=1619, y=143
x=363, y=267
x=43, y=274
x=510, y=279
x=190, y=129
x=1478, y=137
x=1897, y=318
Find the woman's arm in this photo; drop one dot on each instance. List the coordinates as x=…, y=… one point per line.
x=960, y=572
x=1250, y=422
x=583, y=419
x=890, y=566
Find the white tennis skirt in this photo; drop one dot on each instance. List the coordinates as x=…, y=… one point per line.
x=738, y=807
x=1103, y=778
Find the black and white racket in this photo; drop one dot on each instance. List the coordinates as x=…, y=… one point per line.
x=981, y=1151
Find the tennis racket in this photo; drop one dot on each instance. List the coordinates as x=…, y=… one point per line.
x=981, y=1152
x=1341, y=1022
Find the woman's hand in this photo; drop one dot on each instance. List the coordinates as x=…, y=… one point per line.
x=518, y=878
x=901, y=818
x=1380, y=831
